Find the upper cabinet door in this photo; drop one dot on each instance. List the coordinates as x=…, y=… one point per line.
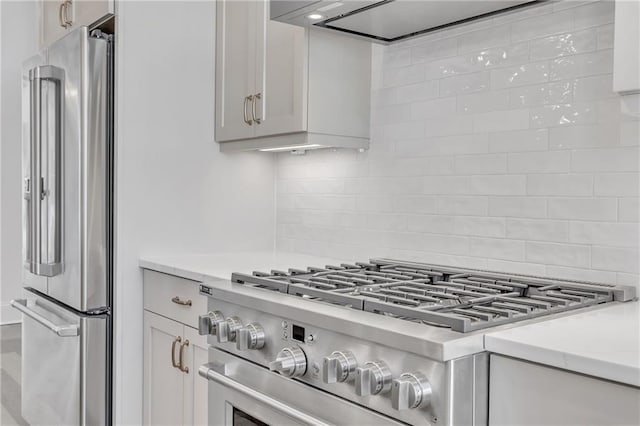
x=281, y=74
x=52, y=21
x=235, y=68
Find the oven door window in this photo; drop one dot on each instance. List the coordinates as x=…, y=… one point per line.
x=241, y=418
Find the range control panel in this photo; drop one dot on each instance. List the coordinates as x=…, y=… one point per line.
x=395, y=382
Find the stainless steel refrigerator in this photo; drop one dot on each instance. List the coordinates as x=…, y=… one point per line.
x=67, y=164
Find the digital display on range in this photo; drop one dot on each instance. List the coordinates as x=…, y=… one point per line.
x=297, y=333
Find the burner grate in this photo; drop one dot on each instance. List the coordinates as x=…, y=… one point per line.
x=464, y=300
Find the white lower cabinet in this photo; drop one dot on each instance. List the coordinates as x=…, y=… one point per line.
x=526, y=394
x=174, y=393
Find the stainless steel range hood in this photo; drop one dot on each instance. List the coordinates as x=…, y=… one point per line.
x=386, y=21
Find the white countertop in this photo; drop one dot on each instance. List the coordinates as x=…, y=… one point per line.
x=202, y=267
x=602, y=342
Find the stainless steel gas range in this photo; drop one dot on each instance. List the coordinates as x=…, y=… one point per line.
x=378, y=342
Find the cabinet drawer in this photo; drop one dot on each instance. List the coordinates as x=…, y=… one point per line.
x=169, y=296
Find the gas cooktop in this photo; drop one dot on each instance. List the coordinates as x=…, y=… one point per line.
x=462, y=299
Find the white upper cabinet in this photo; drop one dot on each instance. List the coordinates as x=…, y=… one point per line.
x=278, y=85
x=626, y=52
x=57, y=17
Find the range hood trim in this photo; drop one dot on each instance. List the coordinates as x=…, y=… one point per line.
x=326, y=23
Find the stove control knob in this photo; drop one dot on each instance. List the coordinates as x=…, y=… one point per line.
x=208, y=324
x=338, y=367
x=251, y=336
x=373, y=378
x=410, y=390
x=227, y=329
x=290, y=362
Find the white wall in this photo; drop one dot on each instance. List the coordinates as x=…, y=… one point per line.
x=498, y=145
x=18, y=41
x=176, y=192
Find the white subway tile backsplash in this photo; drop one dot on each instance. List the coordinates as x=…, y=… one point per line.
x=605, y=160
x=393, y=77
x=483, y=102
x=628, y=210
x=581, y=274
x=560, y=92
x=558, y=254
x=518, y=207
x=617, y=184
x=436, y=49
x=615, y=259
x=597, y=13
x=593, y=88
x=498, y=144
x=563, y=115
x=444, y=145
x=520, y=75
x=541, y=26
x=539, y=162
x=605, y=36
x=465, y=83
x=560, y=184
x=497, y=248
x=498, y=121
x=450, y=125
x=538, y=230
x=604, y=233
x=563, y=44
x=481, y=39
x=498, y=185
x=433, y=108
x=574, y=66
x=603, y=209
x=473, y=206
x=519, y=140
x=481, y=164
x=415, y=204
x=584, y=136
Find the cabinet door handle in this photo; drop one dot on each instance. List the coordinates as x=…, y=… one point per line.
x=247, y=120
x=256, y=119
x=183, y=368
x=177, y=340
x=178, y=301
x=63, y=24
x=68, y=21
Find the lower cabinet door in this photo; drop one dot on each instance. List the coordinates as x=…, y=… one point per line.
x=195, y=388
x=163, y=379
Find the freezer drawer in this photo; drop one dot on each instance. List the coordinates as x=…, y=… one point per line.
x=64, y=364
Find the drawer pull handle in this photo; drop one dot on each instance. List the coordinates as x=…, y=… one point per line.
x=183, y=368
x=177, y=340
x=177, y=301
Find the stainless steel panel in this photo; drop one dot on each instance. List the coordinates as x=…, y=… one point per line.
x=244, y=384
x=63, y=377
x=83, y=283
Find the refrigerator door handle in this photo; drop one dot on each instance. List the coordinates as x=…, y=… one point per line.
x=38, y=191
x=66, y=330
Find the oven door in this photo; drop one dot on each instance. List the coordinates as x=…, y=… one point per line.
x=242, y=393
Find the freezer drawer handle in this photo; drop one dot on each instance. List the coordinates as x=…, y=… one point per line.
x=37, y=189
x=179, y=301
x=216, y=373
x=68, y=330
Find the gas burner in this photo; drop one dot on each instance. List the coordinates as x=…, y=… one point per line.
x=461, y=299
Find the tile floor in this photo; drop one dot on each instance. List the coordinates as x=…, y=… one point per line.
x=10, y=359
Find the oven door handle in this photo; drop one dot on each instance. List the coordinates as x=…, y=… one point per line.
x=216, y=373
